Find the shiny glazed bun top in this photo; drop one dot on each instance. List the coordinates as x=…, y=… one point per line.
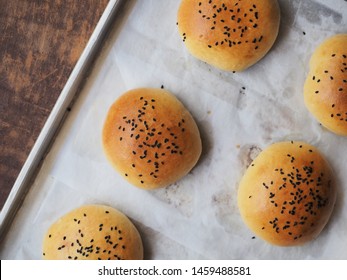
x=232, y=34
x=150, y=138
x=92, y=232
x=325, y=89
x=287, y=194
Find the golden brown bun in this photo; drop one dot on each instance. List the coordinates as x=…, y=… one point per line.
x=287, y=194
x=325, y=89
x=151, y=138
x=231, y=35
x=93, y=232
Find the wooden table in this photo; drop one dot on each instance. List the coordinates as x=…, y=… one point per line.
x=40, y=43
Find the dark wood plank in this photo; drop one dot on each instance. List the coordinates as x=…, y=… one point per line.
x=40, y=43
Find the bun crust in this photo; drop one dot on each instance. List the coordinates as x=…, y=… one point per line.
x=93, y=232
x=231, y=35
x=325, y=90
x=287, y=194
x=150, y=138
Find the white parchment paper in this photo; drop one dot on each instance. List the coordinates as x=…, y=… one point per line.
x=238, y=115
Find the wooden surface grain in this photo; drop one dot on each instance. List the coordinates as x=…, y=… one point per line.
x=40, y=43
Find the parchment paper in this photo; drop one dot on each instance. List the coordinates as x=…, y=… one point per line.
x=238, y=115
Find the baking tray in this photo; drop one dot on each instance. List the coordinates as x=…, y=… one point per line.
x=57, y=116
x=136, y=44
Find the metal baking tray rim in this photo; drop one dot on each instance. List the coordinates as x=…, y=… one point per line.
x=57, y=116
